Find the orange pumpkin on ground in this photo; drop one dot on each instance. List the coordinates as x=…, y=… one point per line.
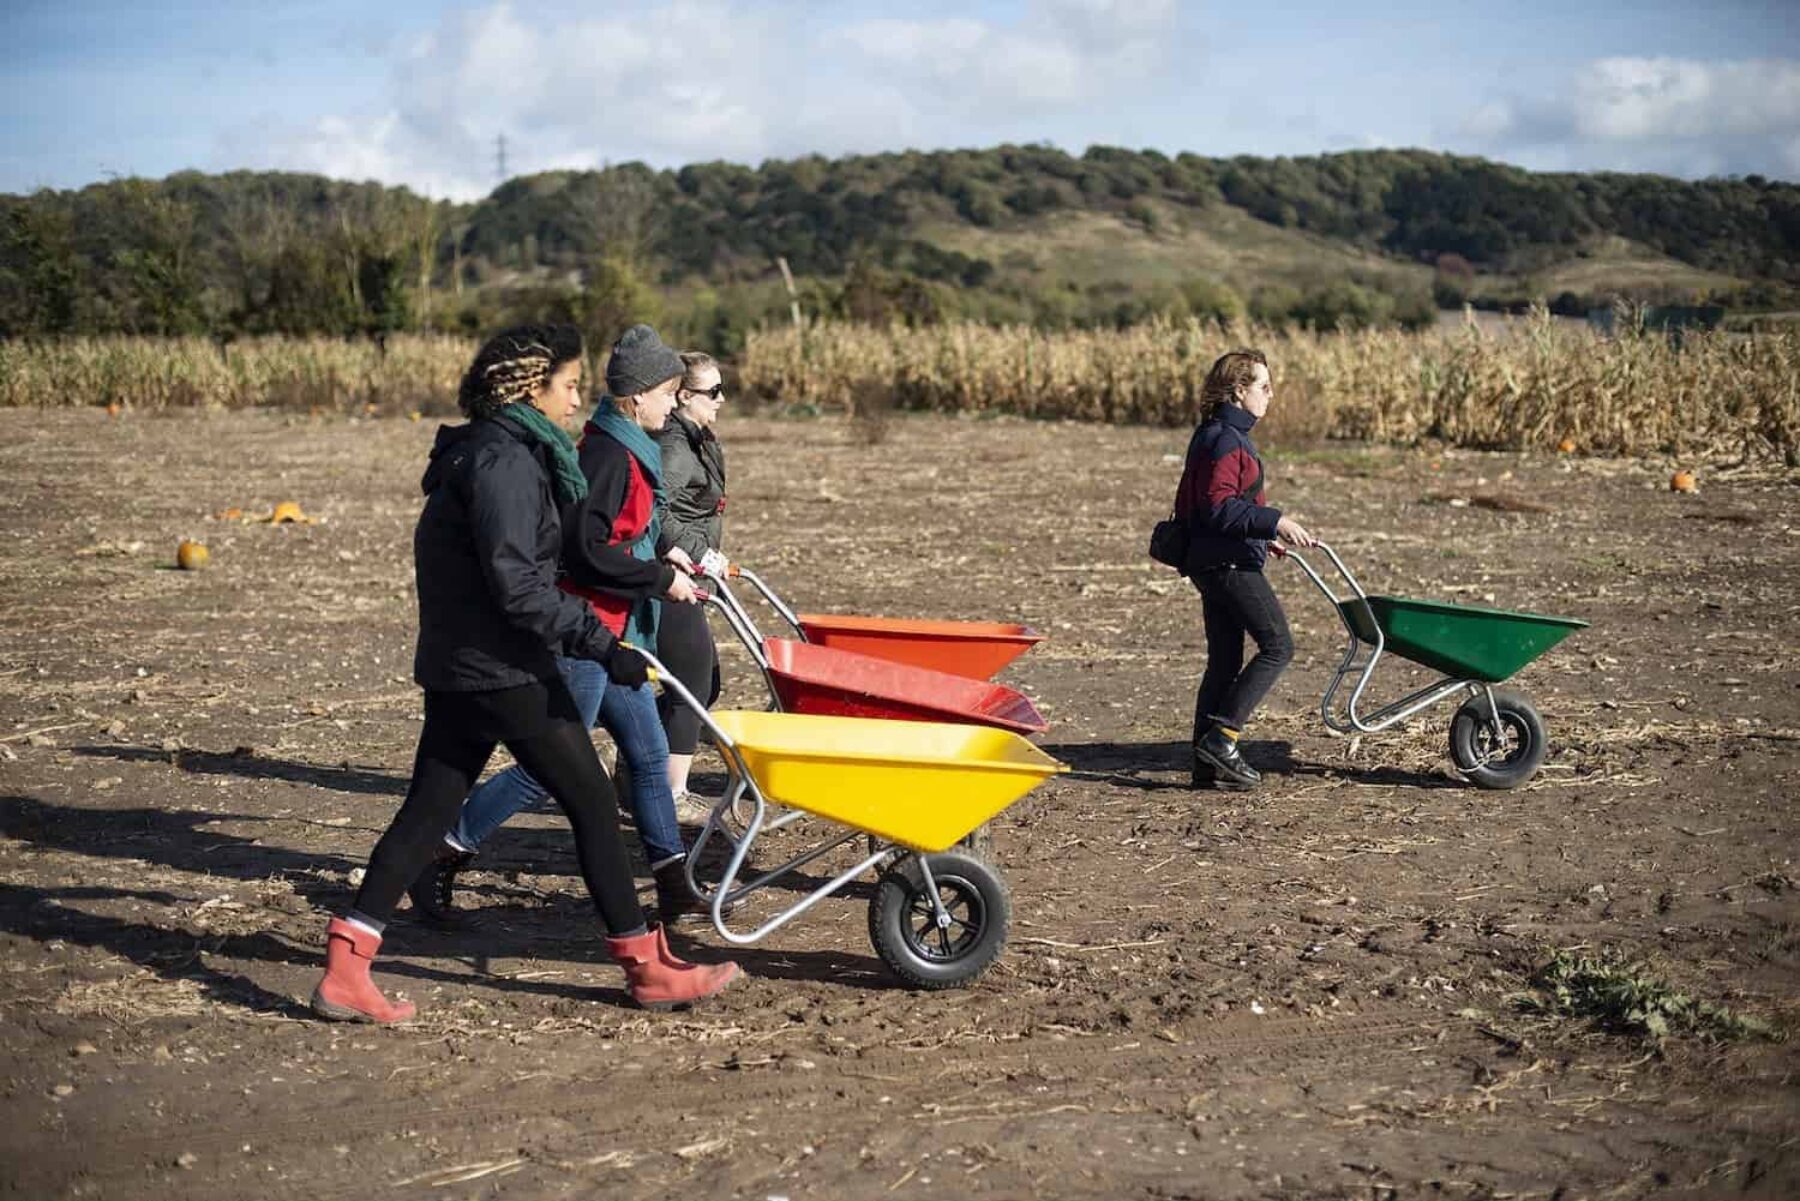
x=191, y=555
x=288, y=511
x=1566, y=446
x=1683, y=481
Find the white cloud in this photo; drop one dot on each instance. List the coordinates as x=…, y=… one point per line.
x=1678, y=116
x=662, y=82
x=1061, y=53
x=1645, y=98
x=693, y=80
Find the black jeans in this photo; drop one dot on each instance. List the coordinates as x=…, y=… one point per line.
x=684, y=642
x=1237, y=601
x=556, y=750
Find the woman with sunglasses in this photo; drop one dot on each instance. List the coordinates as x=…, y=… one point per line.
x=694, y=480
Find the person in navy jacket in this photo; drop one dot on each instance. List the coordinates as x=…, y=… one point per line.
x=1230, y=526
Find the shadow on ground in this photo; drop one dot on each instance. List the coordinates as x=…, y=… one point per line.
x=248, y=764
x=1143, y=765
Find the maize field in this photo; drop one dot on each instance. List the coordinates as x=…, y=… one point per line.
x=1539, y=385
x=1533, y=386
x=413, y=371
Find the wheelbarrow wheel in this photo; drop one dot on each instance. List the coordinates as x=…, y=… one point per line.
x=903, y=923
x=1503, y=758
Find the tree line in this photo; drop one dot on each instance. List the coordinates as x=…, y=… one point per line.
x=268, y=252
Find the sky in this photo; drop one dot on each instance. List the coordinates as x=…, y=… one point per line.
x=415, y=92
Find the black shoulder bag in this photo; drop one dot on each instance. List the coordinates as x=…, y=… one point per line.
x=1169, y=540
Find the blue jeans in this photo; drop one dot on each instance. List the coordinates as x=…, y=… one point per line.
x=629, y=715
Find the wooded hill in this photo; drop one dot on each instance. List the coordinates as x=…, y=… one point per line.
x=1017, y=233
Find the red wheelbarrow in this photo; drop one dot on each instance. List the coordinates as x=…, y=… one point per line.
x=972, y=649
x=828, y=681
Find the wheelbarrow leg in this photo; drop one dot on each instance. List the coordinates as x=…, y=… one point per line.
x=1494, y=722
x=931, y=889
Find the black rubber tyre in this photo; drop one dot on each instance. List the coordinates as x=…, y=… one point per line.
x=903, y=926
x=1490, y=762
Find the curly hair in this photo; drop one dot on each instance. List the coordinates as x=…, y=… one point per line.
x=1232, y=370
x=513, y=364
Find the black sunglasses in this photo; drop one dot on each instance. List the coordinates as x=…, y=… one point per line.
x=712, y=393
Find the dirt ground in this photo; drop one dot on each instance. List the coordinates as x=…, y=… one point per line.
x=1307, y=991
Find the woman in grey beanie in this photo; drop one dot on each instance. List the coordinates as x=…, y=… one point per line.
x=640, y=361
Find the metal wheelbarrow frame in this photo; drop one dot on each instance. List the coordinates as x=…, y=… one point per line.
x=1497, y=737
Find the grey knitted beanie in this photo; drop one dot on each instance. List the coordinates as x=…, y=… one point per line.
x=640, y=361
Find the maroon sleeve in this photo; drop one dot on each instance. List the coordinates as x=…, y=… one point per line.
x=1229, y=512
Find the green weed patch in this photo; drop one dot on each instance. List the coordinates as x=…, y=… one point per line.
x=1624, y=997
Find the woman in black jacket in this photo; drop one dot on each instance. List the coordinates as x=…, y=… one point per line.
x=1230, y=527
x=693, y=465
x=491, y=621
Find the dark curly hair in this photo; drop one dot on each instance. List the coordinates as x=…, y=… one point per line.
x=515, y=363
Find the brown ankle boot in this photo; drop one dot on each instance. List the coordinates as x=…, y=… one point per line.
x=347, y=994
x=660, y=980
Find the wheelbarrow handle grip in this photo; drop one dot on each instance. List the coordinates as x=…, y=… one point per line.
x=775, y=602
x=1356, y=589
x=660, y=675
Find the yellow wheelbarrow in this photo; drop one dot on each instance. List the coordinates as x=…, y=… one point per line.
x=913, y=790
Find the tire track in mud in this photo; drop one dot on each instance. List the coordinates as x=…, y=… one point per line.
x=1243, y=1045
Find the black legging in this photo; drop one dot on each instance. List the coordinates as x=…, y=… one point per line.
x=684, y=643
x=450, y=758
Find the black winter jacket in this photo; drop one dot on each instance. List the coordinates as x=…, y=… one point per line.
x=485, y=557
x=694, y=477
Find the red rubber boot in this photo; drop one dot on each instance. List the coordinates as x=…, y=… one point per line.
x=661, y=981
x=347, y=994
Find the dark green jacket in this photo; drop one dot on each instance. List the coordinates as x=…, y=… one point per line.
x=694, y=480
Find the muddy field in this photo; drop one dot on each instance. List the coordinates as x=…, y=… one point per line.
x=1312, y=990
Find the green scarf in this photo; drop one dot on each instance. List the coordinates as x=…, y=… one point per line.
x=570, y=485
x=608, y=419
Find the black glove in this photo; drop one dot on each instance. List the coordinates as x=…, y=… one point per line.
x=626, y=667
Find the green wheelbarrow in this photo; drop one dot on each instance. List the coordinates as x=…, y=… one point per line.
x=1497, y=738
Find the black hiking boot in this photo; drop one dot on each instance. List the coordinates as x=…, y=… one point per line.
x=1230, y=772
x=676, y=903
x=1204, y=773
x=434, y=892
